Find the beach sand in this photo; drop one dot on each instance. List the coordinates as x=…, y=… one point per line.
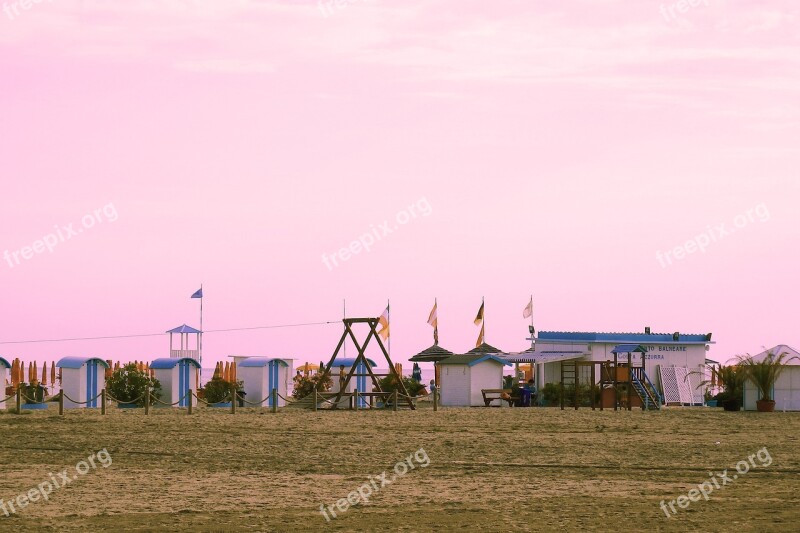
x=490, y=469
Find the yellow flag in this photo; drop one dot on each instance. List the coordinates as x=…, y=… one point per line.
x=480, y=338
x=479, y=317
x=433, y=320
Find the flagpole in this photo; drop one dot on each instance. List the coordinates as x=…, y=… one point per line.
x=388, y=325
x=344, y=315
x=201, y=328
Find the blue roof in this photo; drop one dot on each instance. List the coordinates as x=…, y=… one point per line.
x=78, y=361
x=4, y=363
x=349, y=361
x=171, y=362
x=629, y=348
x=580, y=336
x=184, y=329
x=251, y=362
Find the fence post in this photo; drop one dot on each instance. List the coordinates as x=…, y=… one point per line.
x=61, y=402
x=233, y=401
x=103, y=402
x=435, y=400
x=274, y=400
x=315, y=399
x=394, y=401
x=19, y=400
x=355, y=400
x=190, y=401
x=147, y=401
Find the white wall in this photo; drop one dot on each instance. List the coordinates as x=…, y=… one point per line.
x=3, y=374
x=73, y=382
x=786, y=392
x=455, y=386
x=484, y=375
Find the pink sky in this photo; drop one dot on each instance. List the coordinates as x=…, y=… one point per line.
x=559, y=145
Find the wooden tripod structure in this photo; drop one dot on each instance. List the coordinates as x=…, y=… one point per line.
x=362, y=358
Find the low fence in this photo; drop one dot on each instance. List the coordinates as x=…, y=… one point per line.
x=318, y=400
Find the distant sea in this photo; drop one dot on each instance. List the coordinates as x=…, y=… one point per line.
x=427, y=374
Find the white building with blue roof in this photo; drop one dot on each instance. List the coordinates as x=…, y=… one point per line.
x=82, y=379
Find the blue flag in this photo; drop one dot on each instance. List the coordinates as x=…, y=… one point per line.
x=198, y=294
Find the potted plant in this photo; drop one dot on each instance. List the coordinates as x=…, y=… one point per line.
x=128, y=386
x=33, y=395
x=763, y=374
x=730, y=378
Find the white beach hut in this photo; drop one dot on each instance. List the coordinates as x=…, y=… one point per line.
x=82, y=379
x=786, y=391
x=4, y=366
x=177, y=375
x=360, y=380
x=259, y=375
x=462, y=377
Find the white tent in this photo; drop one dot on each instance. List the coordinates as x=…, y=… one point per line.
x=786, y=391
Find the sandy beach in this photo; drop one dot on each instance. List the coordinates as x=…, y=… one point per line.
x=489, y=469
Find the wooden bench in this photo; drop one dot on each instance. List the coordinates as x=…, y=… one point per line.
x=489, y=395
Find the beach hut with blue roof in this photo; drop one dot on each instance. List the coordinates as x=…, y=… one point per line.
x=464, y=377
x=4, y=366
x=360, y=382
x=177, y=375
x=82, y=379
x=260, y=375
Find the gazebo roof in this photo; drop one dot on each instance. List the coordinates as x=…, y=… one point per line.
x=184, y=329
x=431, y=354
x=484, y=349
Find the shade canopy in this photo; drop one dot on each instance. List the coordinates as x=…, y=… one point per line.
x=171, y=362
x=78, y=361
x=431, y=355
x=544, y=356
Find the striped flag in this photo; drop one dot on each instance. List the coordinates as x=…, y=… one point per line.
x=433, y=320
x=479, y=317
x=480, y=337
x=383, y=321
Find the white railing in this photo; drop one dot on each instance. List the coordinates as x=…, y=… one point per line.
x=193, y=354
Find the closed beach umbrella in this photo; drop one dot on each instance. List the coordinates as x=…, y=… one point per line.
x=52, y=372
x=44, y=373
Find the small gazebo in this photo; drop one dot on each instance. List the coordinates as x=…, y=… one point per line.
x=184, y=332
x=433, y=355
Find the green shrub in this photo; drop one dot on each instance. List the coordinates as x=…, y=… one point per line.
x=218, y=390
x=129, y=383
x=389, y=384
x=551, y=395
x=305, y=385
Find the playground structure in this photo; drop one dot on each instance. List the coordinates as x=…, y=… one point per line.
x=361, y=368
x=622, y=385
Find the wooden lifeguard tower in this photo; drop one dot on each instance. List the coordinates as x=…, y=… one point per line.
x=184, y=350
